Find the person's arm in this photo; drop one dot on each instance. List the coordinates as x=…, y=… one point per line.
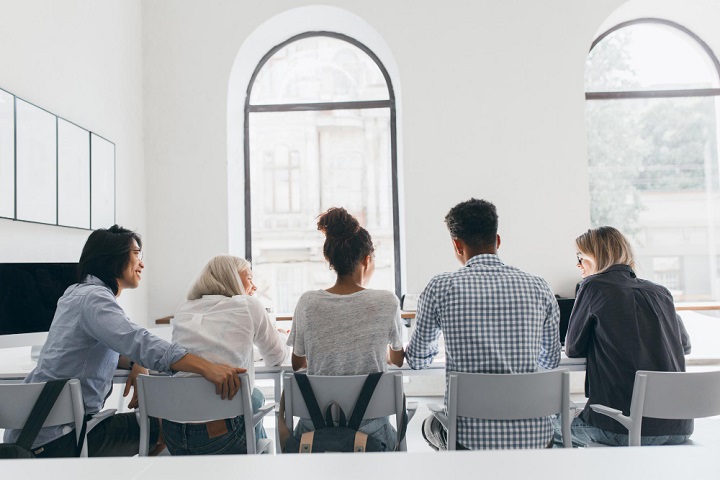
x=582, y=322
x=267, y=338
x=296, y=338
x=225, y=378
x=423, y=345
x=550, y=346
x=684, y=336
x=298, y=363
x=104, y=320
x=395, y=357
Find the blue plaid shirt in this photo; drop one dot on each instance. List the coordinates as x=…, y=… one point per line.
x=495, y=319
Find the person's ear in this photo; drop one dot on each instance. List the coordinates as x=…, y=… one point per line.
x=366, y=261
x=458, y=244
x=497, y=241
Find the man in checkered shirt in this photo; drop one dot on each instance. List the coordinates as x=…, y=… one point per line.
x=494, y=319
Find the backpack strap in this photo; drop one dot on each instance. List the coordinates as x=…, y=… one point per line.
x=310, y=401
x=39, y=413
x=342, y=419
x=363, y=400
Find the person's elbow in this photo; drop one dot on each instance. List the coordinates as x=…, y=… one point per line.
x=396, y=357
x=298, y=363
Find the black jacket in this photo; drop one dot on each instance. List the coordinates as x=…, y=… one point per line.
x=622, y=324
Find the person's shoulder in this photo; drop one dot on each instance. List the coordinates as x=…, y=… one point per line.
x=385, y=296
x=444, y=278
x=528, y=277
x=90, y=292
x=310, y=296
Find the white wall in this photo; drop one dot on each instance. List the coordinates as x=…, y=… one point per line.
x=80, y=60
x=492, y=91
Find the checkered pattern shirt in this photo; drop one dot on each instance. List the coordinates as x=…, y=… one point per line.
x=494, y=319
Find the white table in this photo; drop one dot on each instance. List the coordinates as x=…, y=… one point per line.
x=682, y=462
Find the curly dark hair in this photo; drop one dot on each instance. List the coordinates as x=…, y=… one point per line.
x=346, y=242
x=474, y=221
x=106, y=254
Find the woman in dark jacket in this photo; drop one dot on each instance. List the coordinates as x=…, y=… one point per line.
x=622, y=324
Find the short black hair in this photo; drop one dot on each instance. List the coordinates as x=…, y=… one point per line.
x=346, y=242
x=474, y=221
x=106, y=254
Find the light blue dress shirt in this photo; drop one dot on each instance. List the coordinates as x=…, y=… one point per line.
x=87, y=335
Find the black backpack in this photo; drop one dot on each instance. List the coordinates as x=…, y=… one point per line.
x=345, y=436
x=22, y=448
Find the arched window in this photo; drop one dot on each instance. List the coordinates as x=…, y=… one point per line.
x=652, y=89
x=319, y=133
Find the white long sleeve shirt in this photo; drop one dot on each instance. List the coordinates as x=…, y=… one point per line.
x=223, y=329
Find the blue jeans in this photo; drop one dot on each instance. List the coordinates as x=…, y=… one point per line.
x=193, y=439
x=583, y=434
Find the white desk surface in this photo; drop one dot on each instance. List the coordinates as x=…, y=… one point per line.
x=15, y=364
x=682, y=462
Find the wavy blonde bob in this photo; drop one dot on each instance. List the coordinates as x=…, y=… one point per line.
x=607, y=246
x=221, y=276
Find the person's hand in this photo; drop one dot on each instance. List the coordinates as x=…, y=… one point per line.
x=286, y=331
x=132, y=382
x=225, y=378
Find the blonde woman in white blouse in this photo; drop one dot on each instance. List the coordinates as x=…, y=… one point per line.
x=220, y=321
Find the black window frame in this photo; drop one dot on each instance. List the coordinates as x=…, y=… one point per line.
x=297, y=107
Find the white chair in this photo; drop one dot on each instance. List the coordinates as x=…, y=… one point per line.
x=18, y=399
x=667, y=395
x=506, y=397
x=387, y=398
x=193, y=399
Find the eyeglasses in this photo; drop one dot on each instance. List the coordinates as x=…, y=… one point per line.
x=139, y=253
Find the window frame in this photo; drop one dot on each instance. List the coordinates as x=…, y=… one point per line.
x=675, y=93
x=323, y=106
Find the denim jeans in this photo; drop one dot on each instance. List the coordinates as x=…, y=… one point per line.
x=193, y=439
x=116, y=436
x=583, y=434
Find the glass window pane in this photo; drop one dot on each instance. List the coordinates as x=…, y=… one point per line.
x=319, y=69
x=645, y=57
x=654, y=175
x=36, y=164
x=7, y=155
x=73, y=175
x=318, y=160
x=102, y=182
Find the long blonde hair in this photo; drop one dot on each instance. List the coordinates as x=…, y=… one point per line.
x=221, y=276
x=607, y=246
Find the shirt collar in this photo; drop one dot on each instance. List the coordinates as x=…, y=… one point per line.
x=620, y=268
x=485, y=259
x=93, y=280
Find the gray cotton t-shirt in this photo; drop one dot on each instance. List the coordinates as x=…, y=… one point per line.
x=346, y=334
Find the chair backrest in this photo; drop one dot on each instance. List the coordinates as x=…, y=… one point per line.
x=387, y=398
x=17, y=401
x=676, y=395
x=190, y=399
x=508, y=397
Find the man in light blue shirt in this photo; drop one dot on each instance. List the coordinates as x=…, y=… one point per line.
x=91, y=336
x=495, y=319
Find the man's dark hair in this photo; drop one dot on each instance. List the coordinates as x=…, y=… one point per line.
x=106, y=254
x=474, y=221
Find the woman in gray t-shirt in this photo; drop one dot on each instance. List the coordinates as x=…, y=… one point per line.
x=347, y=329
